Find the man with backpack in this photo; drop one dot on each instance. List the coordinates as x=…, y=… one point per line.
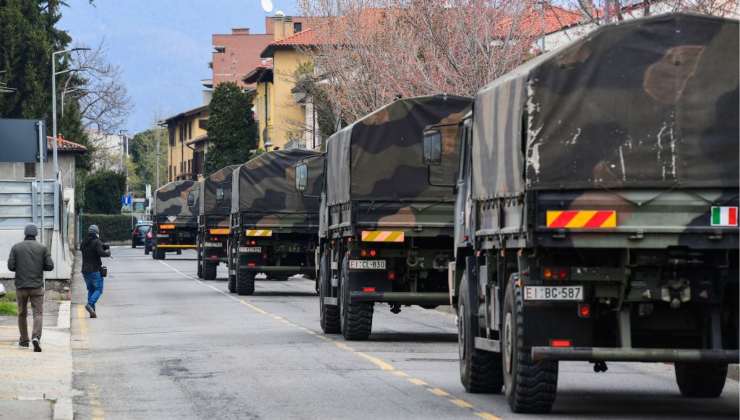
x=92, y=250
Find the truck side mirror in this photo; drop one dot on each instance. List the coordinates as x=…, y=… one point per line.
x=219, y=194
x=301, y=177
x=432, y=147
x=191, y=198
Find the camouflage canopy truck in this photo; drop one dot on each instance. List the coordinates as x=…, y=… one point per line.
x=387, y=212
x=175, y=217
x=213, y=221
x=596, y=213
x=274, y=217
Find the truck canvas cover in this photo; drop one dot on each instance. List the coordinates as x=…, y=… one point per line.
x=172, y=199
x=266, y=184
x=380, y=156
x=215, y=192
x=649, y=103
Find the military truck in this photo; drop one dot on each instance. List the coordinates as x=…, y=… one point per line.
x=213, y=221
x=175, y=218
x=596, y=214
x=387, y=212
x=274, y=217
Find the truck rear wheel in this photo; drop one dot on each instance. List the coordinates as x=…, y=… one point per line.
x=209, y=270
x=159, y=254
x=356, y=318
x=700, y=380
x=232, y=283
x=244, y=283
x=200, y=265
x=329, y=313
x=530, y=386
x=480, y=371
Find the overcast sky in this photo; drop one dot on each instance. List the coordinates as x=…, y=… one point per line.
x=162, y=46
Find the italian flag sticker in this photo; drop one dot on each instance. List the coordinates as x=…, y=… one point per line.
x=724, y=216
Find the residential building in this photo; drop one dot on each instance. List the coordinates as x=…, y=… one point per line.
x=235, y=54
x=66, y=154
x=109, y=150
x=285, y=121
x=187, y=130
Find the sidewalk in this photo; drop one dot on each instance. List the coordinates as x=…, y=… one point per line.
x=37, y=385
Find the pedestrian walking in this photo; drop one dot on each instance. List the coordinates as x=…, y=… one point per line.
x=92, y=250
x=29, y=259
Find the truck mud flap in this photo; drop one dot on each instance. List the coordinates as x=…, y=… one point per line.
x=634, y=354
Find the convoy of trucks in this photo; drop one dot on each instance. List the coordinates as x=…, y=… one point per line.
x=582, y=207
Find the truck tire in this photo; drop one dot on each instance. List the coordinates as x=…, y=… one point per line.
x=329, y=313
x=232, y=283
x=209, y=270
x=356, y=318
x=530, y=386
x=480, y=371
x=700, y=380
x=244, y=283
x=159, y=254
x=200, y=265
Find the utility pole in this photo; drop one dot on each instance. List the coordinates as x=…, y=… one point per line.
x=159, y=140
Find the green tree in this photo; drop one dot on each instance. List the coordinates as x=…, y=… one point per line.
x=232, y=131
x=143, y=152
x=103, y=192
x=308, y=84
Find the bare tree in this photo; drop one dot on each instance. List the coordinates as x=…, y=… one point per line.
x=372, y=51
x=605, y=11
x=96, y=85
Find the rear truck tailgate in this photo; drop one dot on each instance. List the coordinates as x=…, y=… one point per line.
x=696, y=218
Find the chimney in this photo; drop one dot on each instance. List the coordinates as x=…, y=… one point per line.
x=240, y=31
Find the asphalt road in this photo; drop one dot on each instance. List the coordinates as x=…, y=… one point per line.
x=168, y=346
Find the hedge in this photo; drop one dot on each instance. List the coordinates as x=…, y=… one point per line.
x=113, y=227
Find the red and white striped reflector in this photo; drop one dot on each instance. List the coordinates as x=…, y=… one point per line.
x=581, y=219
x=724, y=216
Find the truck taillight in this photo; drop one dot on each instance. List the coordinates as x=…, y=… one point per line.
x=560, y=342
x=391, y=275
x=555, y=273
x=368, y=252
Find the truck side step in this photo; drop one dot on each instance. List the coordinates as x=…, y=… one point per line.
x=633, y=355
x=487, y=344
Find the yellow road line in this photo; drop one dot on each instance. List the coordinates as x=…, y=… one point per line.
x=461, y=403
x=417, y=381
x=487, y=416
x=376, y=361
x=439, y=392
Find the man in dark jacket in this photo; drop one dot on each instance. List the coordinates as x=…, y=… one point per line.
x=92, y=250
x=29, y=259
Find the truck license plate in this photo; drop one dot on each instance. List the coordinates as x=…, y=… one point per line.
x=214, y=245
x=572, y=293
x=250, y=249
x=367, y=264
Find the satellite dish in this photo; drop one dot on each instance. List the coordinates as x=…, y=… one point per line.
x=266, y=5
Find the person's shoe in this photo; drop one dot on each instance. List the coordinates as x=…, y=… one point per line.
x=36, y=345
x=23, y=344
x=91, y=311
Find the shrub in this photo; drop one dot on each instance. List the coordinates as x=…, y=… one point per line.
x=103, y=191
x=113, y=227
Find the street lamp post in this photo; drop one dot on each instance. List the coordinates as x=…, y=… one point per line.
x=54, y=75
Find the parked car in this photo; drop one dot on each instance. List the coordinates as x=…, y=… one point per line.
x=138, y=236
